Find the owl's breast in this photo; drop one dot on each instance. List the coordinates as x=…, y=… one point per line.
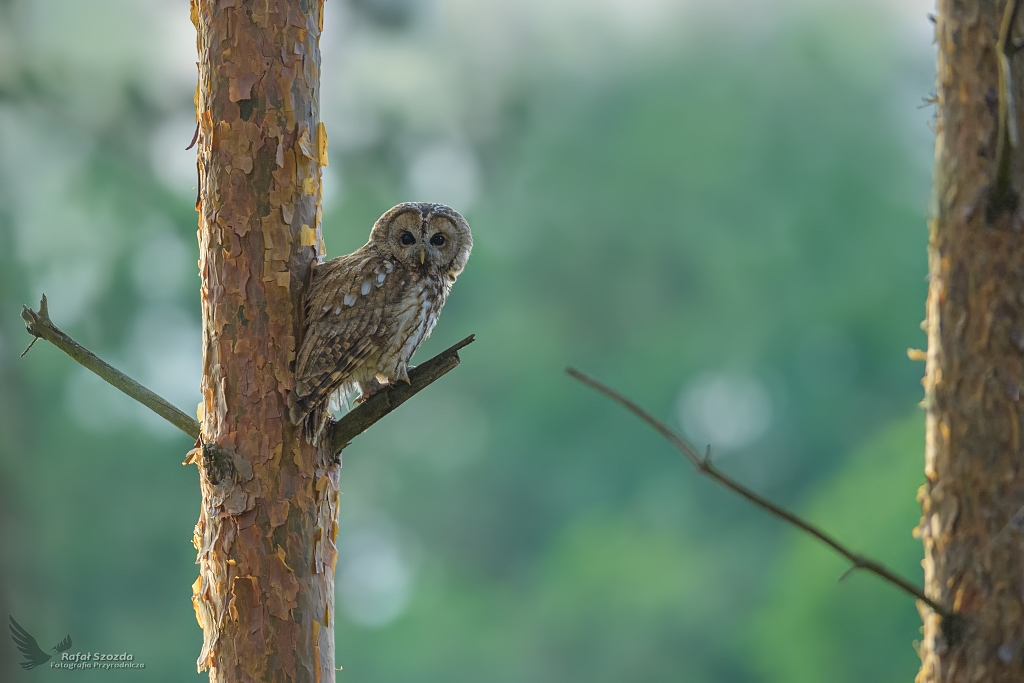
x=415, y=315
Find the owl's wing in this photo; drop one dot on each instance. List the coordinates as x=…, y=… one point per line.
x=344, y=313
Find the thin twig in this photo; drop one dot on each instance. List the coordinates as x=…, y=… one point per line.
x=341, y=433
x=704, y=466
x=195, y=136
x=30, y=345
x=363, y=416
x=1006, y=49
x=1003, y=196
x=40, y=327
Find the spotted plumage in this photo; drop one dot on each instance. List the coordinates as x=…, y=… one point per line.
x=367, y=312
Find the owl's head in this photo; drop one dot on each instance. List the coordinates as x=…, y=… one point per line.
x=426, y=237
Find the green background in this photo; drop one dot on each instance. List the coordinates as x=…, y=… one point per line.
x=672, y=199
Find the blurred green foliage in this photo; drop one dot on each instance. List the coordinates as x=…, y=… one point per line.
x=810, y=620
x=719, y=209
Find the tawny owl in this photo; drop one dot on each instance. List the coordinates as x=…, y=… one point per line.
x=367, y=312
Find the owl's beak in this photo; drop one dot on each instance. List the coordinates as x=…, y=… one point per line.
x=423, y=255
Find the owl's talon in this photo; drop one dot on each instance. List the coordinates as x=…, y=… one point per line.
x=403, y=375
x=369, y=389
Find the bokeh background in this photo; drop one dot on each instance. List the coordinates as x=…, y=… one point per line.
x=718, y=208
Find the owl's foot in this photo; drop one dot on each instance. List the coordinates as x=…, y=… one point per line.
x=403, y=374
x=368, y=389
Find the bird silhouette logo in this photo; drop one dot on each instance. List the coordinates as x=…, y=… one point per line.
x=29, y=648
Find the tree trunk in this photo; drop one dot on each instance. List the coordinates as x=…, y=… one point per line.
x=974, y=490
x=265, y=536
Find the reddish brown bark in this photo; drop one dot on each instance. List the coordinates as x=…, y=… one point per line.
x=265, y=536
x=974, y=557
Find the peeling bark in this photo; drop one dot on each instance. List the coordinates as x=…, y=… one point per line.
x=266, y=533
x=974, y=491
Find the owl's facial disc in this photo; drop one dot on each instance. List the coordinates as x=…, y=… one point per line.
x=440, y=241
x=425, y=237
x=423, y=245
x=405, y=237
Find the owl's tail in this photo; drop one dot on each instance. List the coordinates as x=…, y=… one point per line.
x=312, y=420
x=314, y=425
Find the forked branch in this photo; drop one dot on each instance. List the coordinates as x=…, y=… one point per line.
x=702, y=463
x=341, y=433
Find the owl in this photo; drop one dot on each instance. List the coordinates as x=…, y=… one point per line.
x=366, y=313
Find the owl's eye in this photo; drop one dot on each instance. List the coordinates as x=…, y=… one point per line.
x=437, y=240
x=407, y=238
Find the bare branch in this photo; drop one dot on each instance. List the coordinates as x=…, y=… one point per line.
x=341, y=432
x=363, y=416
x=704, y=466
x=40, y=327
